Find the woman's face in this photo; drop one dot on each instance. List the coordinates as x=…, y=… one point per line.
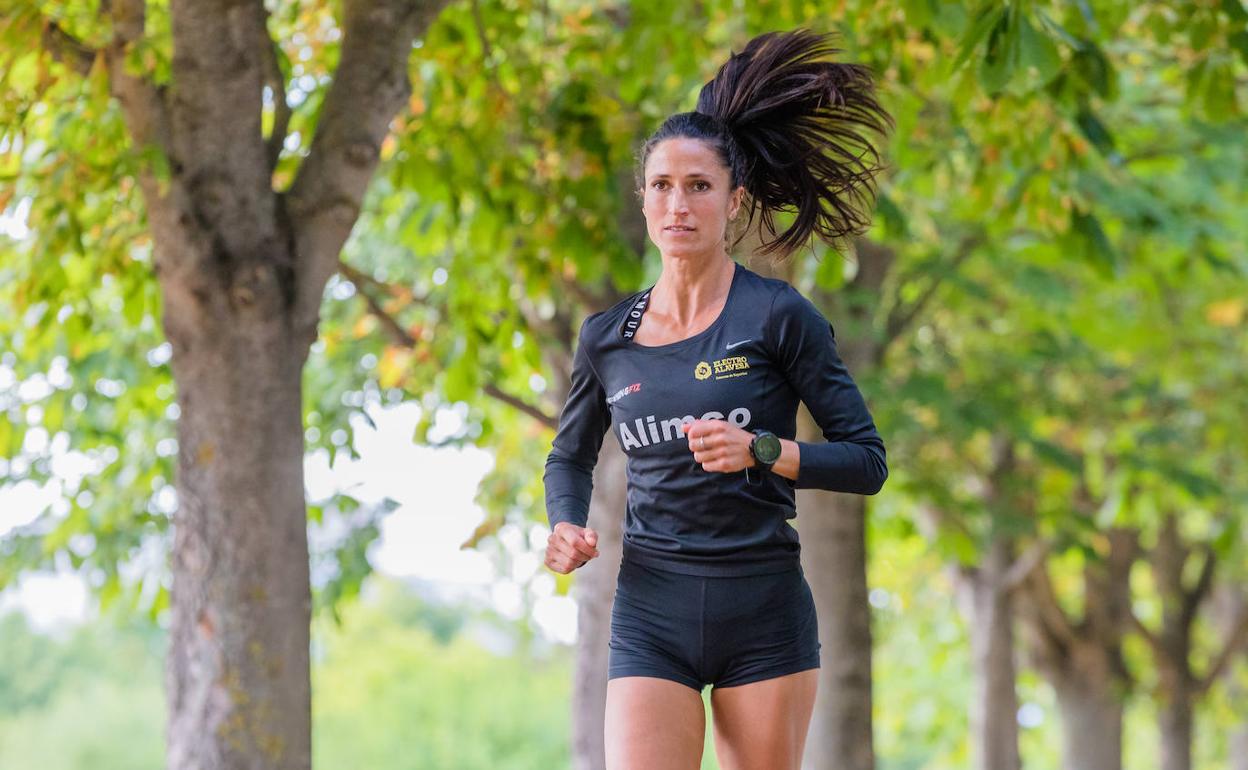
x=687, y=201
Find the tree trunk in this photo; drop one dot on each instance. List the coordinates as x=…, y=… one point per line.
x=1171, y=644
x=1230, y=601
x=834, y=555
x=237, y=669
x=1237, y=748
x=988, y=610
x=1176, y=730
x=1091, y=716
x=595, y=592
x=1083, y=660
x=242, y=270
x=1237, y=741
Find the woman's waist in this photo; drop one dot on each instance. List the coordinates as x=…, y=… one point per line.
x=711, y=558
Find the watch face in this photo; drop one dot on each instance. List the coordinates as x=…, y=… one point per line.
x=767, y=448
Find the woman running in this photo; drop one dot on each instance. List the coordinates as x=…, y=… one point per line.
x=699, y=377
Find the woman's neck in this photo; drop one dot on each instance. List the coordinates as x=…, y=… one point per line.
x=686, y=289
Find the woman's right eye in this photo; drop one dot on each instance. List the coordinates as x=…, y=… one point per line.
x=657, y=183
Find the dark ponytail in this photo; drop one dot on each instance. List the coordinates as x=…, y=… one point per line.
x=790, y=127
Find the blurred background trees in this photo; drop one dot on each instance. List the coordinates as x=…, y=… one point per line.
x=1049, y=321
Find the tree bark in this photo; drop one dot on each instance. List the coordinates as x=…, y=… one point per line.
x=237, y=672
x=1091, y=712
x=1171, y=645
x=595, y=592
x=988, y=609
x=834, y=555
x=1175, y=721
x=1230, y=606
x=1083, y=660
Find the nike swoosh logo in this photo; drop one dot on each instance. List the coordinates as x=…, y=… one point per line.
x=732, y=345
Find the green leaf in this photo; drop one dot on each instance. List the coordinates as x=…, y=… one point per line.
x=896, y=224
x=1094, y=69
x=1056, y=455
x=1000, y=56
x=1095, y=130
x=1239, y=42
x=1038, y=50
x=1092, y=244
x=987, y=18
x=1220, y=101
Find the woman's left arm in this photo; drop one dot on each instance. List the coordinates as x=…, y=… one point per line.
x=853, y=458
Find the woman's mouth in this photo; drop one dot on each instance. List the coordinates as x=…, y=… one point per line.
x=679, y=228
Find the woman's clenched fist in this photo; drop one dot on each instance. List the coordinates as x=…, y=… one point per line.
x=570, y=546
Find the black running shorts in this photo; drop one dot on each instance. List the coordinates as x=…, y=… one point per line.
x=722, y=631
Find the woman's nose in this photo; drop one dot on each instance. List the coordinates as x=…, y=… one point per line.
x=677, y=202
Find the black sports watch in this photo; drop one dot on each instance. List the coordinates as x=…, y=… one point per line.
x=765, y=447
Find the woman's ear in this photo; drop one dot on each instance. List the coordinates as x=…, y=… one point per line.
x=735, y=205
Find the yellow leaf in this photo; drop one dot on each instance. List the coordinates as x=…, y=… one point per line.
x=1228, y=312
x=393, y=366
x=364, y=326
x=484, y=529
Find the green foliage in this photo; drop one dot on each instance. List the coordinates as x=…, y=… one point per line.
x=89, y=698
x=401, y=684
x=1092, y=154
x=454, y=704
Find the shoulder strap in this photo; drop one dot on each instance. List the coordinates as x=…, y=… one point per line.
x=632, y=319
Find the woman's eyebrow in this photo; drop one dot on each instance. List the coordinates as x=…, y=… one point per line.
x=664, y=175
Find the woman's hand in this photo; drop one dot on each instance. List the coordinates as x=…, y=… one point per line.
x=570, y=546
x=719, y=445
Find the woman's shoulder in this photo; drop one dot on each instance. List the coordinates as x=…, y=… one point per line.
x=791, y=315
x=764, y=289
x=779, y=297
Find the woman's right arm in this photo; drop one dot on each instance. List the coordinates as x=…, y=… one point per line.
x=569, y=474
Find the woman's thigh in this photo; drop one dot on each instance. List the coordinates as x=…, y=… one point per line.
x=653, y=724
x=764, y=723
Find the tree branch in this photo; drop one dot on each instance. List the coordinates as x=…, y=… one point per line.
x=1236, y=640
x=900, y=317
x=549, y=421
x=393, y=328
x=1191, y=599
x=1031, y=558
x=277, y=87
x=66, y=48
x=146, y=111
x=486, y=52
x=369, y=88
x=591, y=301
x=143, y=104
x=1049, y=616
x=400, y=336
x=1154, y=643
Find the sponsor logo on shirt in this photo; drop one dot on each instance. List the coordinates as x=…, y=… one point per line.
x=622, y=392
x=723, y=368
x=651, y=430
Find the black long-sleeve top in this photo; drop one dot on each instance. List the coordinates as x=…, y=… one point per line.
x=769, y=347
